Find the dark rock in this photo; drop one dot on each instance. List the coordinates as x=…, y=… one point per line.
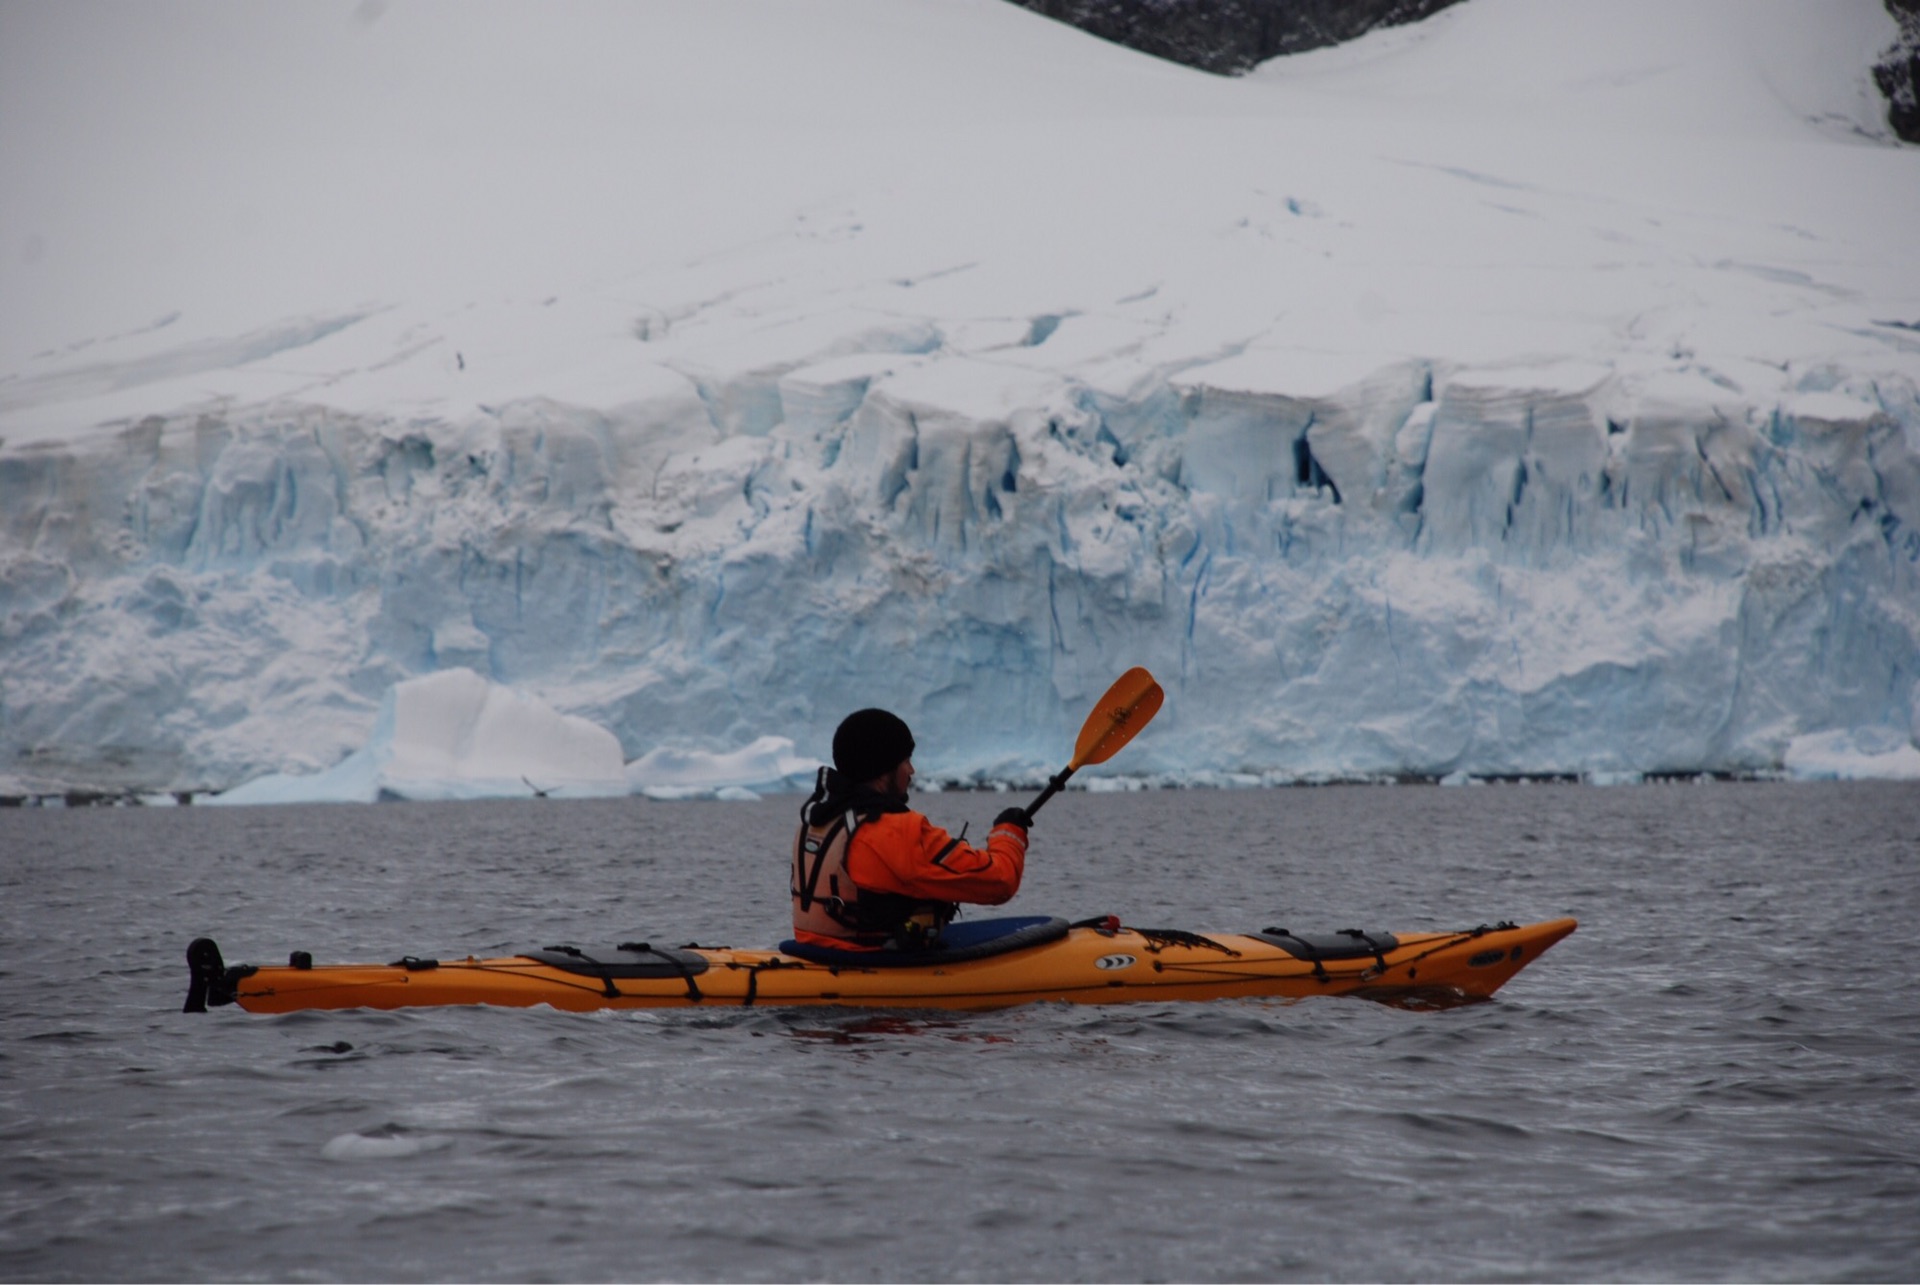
x=1230, y=37
x=1898, y=71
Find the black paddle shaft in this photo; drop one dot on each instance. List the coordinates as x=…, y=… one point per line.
x=1053, y=787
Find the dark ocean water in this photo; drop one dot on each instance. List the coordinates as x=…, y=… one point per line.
x=1717, y=1078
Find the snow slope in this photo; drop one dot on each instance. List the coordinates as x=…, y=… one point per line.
x=1532, y=389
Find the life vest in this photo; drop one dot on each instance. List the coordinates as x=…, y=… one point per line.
x=827, y=901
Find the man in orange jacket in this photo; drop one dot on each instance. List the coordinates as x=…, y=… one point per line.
x=869, y=873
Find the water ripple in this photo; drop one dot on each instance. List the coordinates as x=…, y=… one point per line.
x=1710, y=1080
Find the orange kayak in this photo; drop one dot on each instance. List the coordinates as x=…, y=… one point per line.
x=982, y=964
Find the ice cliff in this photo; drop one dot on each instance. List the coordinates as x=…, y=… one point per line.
x=1396, y=570
x=1388, y=451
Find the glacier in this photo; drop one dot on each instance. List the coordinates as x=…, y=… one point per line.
x=1403, y=418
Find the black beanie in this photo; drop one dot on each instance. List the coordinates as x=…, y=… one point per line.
x=870, y=743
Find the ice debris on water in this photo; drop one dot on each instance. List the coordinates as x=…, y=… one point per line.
x=351, y=1147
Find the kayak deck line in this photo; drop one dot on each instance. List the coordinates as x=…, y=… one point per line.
x=1082, y=963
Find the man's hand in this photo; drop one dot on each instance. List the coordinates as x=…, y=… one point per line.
x=1015, y=816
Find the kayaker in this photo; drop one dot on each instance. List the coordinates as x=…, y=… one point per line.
x=869, y=873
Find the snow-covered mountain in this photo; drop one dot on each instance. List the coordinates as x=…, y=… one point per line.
x=1532, y=389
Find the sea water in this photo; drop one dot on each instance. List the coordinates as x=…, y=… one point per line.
x=1715, y=1078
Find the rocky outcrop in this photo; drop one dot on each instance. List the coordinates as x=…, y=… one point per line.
x=1231, y=36
x=1898, y=71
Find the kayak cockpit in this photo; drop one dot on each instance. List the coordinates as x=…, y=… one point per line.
x=959, y=942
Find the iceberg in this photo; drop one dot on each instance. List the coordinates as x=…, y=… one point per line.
x=454, y=735
x=1406, y=413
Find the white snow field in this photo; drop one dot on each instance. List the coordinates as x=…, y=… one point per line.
x=1532, y=390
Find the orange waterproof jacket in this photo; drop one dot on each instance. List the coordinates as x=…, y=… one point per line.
x=905, y=854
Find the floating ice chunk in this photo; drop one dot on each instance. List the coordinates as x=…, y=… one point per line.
x=1854, y=754
x=355, y=779
x=668, y=773
x=456, y=727
x=360, y=1146
x=682, y=793
x=454, y=735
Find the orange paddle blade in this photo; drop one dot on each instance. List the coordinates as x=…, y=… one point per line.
x=1128, y=706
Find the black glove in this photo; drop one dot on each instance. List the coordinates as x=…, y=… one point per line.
x=1015, y=816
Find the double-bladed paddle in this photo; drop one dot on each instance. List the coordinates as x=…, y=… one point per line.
x=1128, y=706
